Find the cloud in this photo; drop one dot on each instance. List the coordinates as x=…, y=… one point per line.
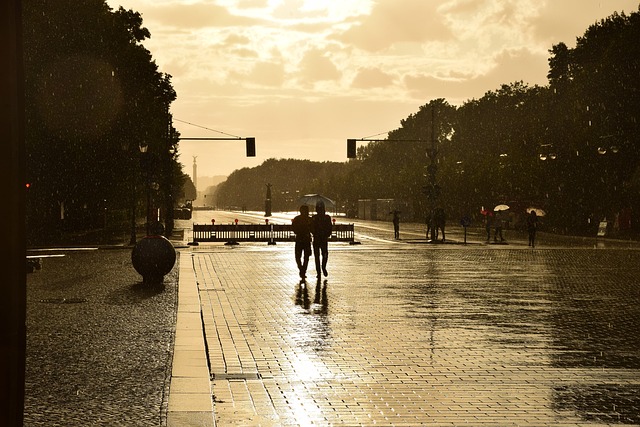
x=397, y=21
x=194, y=16
x=236, y=39
x=316, y=66
x=267, y=74
x=552, y=26
x=253, y=4
x=456, y=88
x=372, y=78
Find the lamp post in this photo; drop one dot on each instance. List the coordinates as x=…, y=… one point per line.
x=153, y=256
x=432, y=189
x=126, y=147
x=547, y=154
x=608, y=152
x=133, y=237
x=144, y=147
x=169, y=219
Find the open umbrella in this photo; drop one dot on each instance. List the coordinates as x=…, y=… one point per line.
x=538, y=211
x=312, y=199
x=501, y=208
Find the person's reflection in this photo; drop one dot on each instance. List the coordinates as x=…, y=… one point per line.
x=321, y=297
x=322, y=329
x=302, y=295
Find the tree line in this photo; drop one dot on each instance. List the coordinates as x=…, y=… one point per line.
x=570, y=147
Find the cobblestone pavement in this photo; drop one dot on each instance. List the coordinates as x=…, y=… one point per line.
x=410, y=334
x=99, y=343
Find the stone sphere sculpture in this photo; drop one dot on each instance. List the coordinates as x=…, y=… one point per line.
x=153, y=257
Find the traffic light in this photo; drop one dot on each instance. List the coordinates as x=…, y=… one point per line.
x=351, y=148
x=251, y=147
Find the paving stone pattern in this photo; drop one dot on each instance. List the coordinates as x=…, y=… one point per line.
x=99, y=343
x=423, y=335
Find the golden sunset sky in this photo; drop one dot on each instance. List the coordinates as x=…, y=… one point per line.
x=302, y=76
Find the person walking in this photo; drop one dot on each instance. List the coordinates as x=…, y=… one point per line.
x=498, y=224
x=488, y=223
x=301, y=226
x=396, y=224
x=532, y=227
x=321, y=230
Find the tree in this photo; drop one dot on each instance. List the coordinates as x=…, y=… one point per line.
x=93, y=94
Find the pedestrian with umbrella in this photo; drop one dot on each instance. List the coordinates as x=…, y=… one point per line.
x=312, y=199
x=500, y=211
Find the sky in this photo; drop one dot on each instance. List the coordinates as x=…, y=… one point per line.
x=302, y=76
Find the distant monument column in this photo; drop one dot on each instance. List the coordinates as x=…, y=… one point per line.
x=195, y=174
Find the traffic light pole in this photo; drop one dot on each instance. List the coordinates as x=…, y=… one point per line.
x=432, y=189
x=250, y=142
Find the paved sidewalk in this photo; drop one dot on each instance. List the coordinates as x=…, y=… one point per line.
x=190, y=401
x=403, y=334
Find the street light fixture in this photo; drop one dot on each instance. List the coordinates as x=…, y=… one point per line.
x=547, y=152
x=604, y=149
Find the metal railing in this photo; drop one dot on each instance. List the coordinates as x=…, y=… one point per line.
x=270, y=233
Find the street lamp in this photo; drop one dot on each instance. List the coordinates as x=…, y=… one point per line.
x=547, y=152
x=132, y=176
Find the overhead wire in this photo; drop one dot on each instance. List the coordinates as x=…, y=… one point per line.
x=204, y=127
x=377, y=134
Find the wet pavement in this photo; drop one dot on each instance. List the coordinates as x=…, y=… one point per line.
x=399, y=333
x=99, y=343
x=410, y=334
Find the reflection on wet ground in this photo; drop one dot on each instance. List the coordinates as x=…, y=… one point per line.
x=581, y=308
x=417, y=334
x=608, y=403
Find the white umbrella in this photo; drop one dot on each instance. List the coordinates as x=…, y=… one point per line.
x=500, y=208
x=312, y=199
x=538, y=211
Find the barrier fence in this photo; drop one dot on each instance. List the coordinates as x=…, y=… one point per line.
x=270, y=233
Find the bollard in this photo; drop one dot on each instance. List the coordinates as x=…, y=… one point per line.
x=153, y=257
